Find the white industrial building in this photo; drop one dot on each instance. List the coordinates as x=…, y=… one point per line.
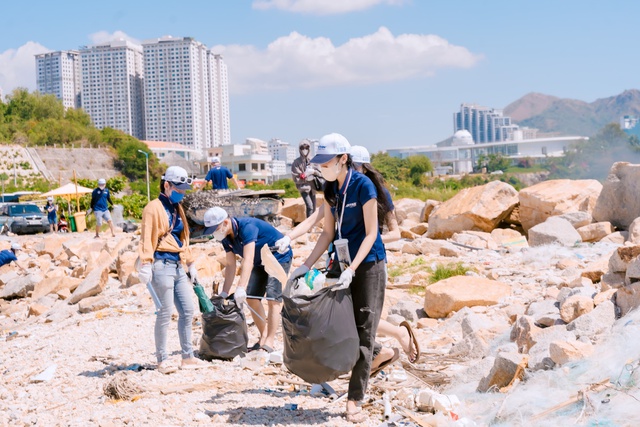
x=463, y=154
x=58, y=73
x=112, y=86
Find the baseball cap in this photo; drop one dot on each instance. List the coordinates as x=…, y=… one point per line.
x=50, y=199
x=213, y=217
x=330, y=146
x=102, y=181
x=215, y=160
x=360, y=154
x=178, y=177
x=16, y=246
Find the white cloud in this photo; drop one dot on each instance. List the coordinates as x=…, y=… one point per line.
x=321, y=7
x=18, y=67
x=105, y=37
x=296, y=61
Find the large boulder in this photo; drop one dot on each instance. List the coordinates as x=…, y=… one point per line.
x=454, y=293
x=477, y=208
x=294, y=209
x=618, y=202
x=408, y=208
x=554, y=230
x=556, y=197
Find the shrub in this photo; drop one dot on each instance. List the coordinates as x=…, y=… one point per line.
x=444, y=271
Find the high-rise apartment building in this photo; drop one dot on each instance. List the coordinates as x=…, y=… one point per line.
x=186, y=95
x=485, y=124
x=112, y=86
x=58, y=73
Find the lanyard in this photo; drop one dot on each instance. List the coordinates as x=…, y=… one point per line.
x=344, y=202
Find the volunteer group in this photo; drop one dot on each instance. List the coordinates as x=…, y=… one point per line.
x=356, y=210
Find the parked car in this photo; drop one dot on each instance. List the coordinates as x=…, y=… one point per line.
x=23, y=218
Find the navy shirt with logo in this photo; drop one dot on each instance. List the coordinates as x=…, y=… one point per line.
x=218, y=177
x=99, y=199
x=174, y=217
x=247, y=230
x=360, y=190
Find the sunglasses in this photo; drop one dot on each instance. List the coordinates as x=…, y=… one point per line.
x=304, y=146
x=182, y=180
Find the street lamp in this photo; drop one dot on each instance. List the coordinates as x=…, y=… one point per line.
x=146, y=158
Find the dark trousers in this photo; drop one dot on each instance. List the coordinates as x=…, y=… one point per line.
x=309, y=198
x=367, y=291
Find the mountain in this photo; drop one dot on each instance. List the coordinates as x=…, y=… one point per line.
x=565, y=116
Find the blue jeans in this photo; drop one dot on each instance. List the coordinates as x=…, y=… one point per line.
x=173, y=287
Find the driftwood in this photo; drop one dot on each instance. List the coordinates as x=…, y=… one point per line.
x=599, y=386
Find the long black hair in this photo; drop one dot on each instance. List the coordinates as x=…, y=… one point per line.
x=384, y=204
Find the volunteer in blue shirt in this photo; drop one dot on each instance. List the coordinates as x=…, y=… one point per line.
x=100, y=201
x=351, y=213
x=52, y=214
x=9, y=255
x=246, y=237
x=218, y=175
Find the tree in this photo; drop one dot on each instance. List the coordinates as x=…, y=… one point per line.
x=418, y=167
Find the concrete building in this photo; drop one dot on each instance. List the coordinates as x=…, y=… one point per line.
x=112, y=86
x=186, y=93
x=58, y=73
x=250, y=162
x=280, y=150
x=485, y=124
x=463, y=154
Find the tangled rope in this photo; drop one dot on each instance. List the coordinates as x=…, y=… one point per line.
x=121, y=387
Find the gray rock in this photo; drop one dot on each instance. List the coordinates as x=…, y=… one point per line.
x=544, y=312
x=621, y=185
x=406, y=309
x=395, y=319
x=503, y=371
x=20, y=286
x=577, y=219
x=554, y=230
x=597, y=321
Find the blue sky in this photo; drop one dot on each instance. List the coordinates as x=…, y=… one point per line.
x=385, y=73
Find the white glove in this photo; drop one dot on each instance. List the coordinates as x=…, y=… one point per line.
x=345, y=279
x=193, y=273
x=298, y=272
x=240, y=296
x=283, y=244
x=89, y=211
x=145, y=273
x=223, y=294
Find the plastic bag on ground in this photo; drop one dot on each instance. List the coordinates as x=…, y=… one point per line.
x=224, y=331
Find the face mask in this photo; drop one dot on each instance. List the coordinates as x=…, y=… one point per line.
x=176, y=197
x=220, y=233
x=304, y=152
x=331, y=173
x=101, y=187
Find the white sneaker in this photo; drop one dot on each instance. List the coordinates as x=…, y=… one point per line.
x=194, y=363
x=166, y=368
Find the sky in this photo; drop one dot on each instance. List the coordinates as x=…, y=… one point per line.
x=384, y=73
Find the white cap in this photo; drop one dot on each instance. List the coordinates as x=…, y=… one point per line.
x=50, y=198
x=331, y=146
x=178, y=177
x=16, y=246
x=213, y=217
x=102, y=181
x=360, y=154
x=215, y=160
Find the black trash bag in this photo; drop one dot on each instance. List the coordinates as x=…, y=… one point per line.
x=320, y=336
x=224, y=331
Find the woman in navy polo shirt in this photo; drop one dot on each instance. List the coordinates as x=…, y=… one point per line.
x=351, y=213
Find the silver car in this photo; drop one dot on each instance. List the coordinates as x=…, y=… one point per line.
x=23, y=218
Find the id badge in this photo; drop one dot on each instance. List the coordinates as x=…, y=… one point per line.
x=342, y=252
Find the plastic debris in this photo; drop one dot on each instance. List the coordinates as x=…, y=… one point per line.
x=291, y=406
x=46, y=375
